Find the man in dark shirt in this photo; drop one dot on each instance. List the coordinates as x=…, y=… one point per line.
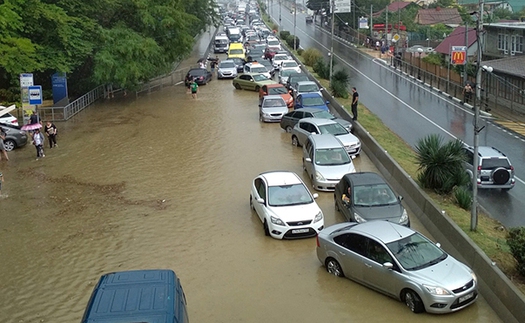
x=355, y=100
x=34, y=118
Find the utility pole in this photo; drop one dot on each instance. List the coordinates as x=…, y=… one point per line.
x=294, y=24
x=280, y=6
x=386, y=27
x=371, y=24
x=332, y=2
x=474, y=208
x=465, y=75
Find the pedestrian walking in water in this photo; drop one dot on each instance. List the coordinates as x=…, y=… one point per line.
x=3, y=151
x=38, y=141
x=467, y=93
x=34, y=118
x=355, y=101
x=194, y=89
x=51, y=131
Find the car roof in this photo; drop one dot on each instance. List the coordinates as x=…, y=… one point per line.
x=325, y=141
x=275, y=178
x=311, y=110
x=486, y=151
x=364, y=178
x=305, y=83
x=273, y=97
x=275, y=85
x=318, y=121
x=383, y=230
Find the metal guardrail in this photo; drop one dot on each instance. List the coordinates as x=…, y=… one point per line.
x=68, y=111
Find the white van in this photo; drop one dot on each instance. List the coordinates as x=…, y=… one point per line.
x=221, y=44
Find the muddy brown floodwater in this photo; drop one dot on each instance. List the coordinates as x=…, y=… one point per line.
x=163, y=181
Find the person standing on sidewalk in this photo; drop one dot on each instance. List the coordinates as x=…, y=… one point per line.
x=51, y=130
x=38, y=141
x=355, y=101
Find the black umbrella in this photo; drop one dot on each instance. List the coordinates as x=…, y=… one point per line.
x=201, y=60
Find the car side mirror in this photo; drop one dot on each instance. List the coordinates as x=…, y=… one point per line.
x=260, y=200
x=388, y=265
x=327, y=102
x=438, y=244
x=308, y=159
x=400, y=198
x=315, y=195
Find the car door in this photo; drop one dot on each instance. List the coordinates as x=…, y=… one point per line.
x=259, y=190
x=303, y=131
x=350, y=250
x=308, y=152
x=299, y=102
x=375, y=274
x=262, y=92
x=344, y=207
x=250, y=84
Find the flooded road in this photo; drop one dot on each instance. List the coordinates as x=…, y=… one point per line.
x=163, y=181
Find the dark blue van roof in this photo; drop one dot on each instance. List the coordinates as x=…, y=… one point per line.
x=135, y=296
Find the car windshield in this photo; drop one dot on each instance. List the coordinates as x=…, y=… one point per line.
x=300, y=78
x=273, y=43
x=279, y=57
x=493, y=163
x=286, y=195
x=273, y=103
x=378, y=194
x=277, y=90
x=335, y=129
x=259, y=69
x=308, y=88
x=322, y=114
x=287, y=72
x=226, y=65
x=236, y=51
x=313, y=101
x=334, y=156
x=416, y=252
x=259, y=77
x=198, y=72
x=290, y=64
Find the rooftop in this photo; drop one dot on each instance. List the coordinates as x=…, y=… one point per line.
x=510, y=25
x=510, y=65
x=456, y=38
x=447, y=16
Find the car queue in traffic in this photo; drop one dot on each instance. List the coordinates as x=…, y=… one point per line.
x=376, y=247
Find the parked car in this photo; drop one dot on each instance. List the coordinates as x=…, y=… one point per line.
x=307, y=126
x=252, y=82
x=284, y=74
x=269, y=66
x=291, y=118
x=278, y=59
x=226, y=69
x=255, y=67
x=8, y=118
x=239, y=62
x=493, y=170
x=276, y=89
x=291, y=65
x=399, y=262
x=272, y=108
x=293, y=79
x=306, y=87
x=15, y=138
x=325, y=161
x=366, y=196
x=201, y=75
x=311, y=100
x=285, y=206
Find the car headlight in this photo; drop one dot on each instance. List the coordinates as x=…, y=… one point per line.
x=319, y=176
x=435, y=290
x=404, y=217
x=276, y=221
x=318, y=217
x=358, y=218
x=474, y=276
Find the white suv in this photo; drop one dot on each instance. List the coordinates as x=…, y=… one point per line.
x=494, y=169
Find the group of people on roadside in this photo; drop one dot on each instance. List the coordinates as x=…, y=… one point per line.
x=38, y=138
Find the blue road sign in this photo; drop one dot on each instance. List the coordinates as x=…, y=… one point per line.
x=35, y=95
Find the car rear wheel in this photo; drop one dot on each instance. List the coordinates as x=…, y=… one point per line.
x=334, y=268
x=257, y=88
x=336, y=205
x=288, y=129
x=266, y=229
x=295, y=141
x=237, y=86
x=9, y=145
x=413, y=301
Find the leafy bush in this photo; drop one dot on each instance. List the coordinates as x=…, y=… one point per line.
x=440, y=165
x=275, y=26
x=300, y=51
x=338, y=88
x=284, y=34
x=311, y=56
x=516, y=242
x=322, y=69
x=290, y=41
x=463, y=197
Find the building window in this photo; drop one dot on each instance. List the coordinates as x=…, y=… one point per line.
x=503, y=42
x=517, y=43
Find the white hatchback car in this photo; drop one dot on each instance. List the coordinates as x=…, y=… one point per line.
x=291, y=65
x=272, y=108
x=285, y=206
x=8, y=118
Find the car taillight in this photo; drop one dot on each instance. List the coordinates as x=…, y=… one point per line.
x=479, y=169
x=512, y=168
x=317, y=241
x=14, y=121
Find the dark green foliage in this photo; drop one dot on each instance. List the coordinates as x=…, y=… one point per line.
x=440, y=165
x=284, y=34
x=311, y=56
x=300, y=51
x=339, y=84
x=321, y=68
x=290, y=41
x=516, y=242
x=463, y=197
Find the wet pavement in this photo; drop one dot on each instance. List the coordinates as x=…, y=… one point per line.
x=162, y=181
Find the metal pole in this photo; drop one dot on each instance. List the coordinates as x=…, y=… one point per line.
x=474, y=208
x=332, y=45
x=465, y=75
x=371, y=24
x=280, y=6
x=294, y=25
x=386, y=27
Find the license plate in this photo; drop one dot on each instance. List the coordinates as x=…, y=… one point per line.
x=466, y=297
x=300, y=231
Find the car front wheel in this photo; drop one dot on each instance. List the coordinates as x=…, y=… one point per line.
x=257, y=88
x=334, y=268
x=9, y=145
x=413, y=301
x=237, y=86
x=266, y=229
x=295, y=141
x=288, y=129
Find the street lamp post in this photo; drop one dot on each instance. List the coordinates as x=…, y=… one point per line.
x=419, y=51
x=280, y=6
x=332, y=44
x=294, y=25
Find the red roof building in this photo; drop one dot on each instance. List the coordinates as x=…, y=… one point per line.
x=434, y=16
x=393, y=7
x=457, y=38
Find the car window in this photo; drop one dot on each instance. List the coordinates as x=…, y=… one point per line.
x=469, y=156
x=290, y=64
x=260, y=187
x=298, y=114
x=493, y=163
x=308, y=88
x=416, y=252
x=226, y=65
x=374, y=195
x=354, y=242
x=332, y=157
x=305, y=126
x=313, y=101
x=322, y=114
x=277, y=90
x=274, y=103
x=285, y=195
x=335, y=129
x=377, y=252
x=259, y=77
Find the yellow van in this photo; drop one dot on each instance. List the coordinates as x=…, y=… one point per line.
x=236, y=50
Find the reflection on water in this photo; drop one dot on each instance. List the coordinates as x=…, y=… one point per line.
x=163, y=182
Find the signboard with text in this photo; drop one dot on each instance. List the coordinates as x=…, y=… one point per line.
x=342, y=6
x=458, y=55
x=363, y=23
x=35, y=95
x=26, y=80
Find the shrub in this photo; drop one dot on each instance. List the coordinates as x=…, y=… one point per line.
x=311, y=56
x=283, y=34
x=322, y=69
x=290, y=41
x=440, y=165
x=300, y=51
x=516, y=242
x=463, y=197
x=275, y=26
x=338, y=88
